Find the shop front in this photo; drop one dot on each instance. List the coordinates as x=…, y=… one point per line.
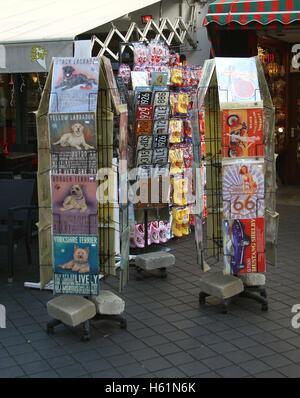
x=23, y=72
x=27, y=49
x=26, y=52
x=271, y=30
x=27, y=64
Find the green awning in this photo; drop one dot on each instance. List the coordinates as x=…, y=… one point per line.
x=255, y=14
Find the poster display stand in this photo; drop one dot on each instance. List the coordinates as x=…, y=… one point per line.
x=76, y=149
x=160, y=90
x=83, y=224
x=241, y=227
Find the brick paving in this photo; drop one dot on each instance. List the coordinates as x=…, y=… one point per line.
x=168, y=335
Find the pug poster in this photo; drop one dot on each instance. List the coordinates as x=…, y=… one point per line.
x=74, y=85
x=74, y=204
x=76, y=264
x=73, y=139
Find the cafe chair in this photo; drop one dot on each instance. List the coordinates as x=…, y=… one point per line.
x=15, y=222
x=6, y=175
x=26, y=148
x=32, y=175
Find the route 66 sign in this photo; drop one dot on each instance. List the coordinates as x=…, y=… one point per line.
x=143, y=127
x=160, y=156
x=161, y=112
x=144, y=112
x=144, y=98
x=144, y=157
x=161, y=98
x=144, y=142
x=161, y=127
x=160, y=141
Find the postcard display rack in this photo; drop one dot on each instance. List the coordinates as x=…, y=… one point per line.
x=163, y=93
x=81, y=223
x=235, y=114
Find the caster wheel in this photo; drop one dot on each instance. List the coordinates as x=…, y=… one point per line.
x=265, y=307
x=138, y=277
x=225, y=306
x=123, y=324
x=163, y=274
x=86, y=337
x=202, y=299
x=224, y=310
x=50, y=330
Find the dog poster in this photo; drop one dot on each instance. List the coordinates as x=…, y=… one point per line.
x=243, y=189
x=74, y=204
x=76, y=264
x=244, y=246
x=73, y=139
x=74, y=85
x=242, y=133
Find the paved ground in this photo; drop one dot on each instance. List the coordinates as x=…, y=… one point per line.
x=168, y=335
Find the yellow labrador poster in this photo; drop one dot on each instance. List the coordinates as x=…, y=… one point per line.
x=73, y=140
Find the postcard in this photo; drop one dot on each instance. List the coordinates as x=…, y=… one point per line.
x=159, y=78
x=139, y=79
